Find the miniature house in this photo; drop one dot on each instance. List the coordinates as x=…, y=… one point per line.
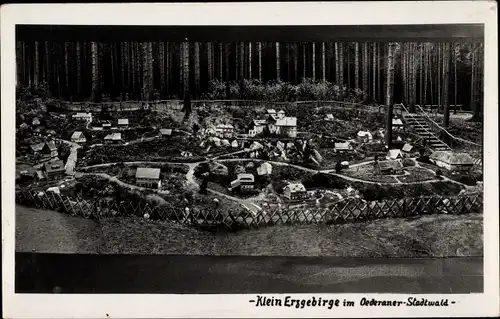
x=165, y=132
x=397, y=124
x=114, y=138
x=257, y=127
x=148, y=177
x=122, y=122
x=394, y=154
x=295, y=191
x=286, y=126
x=408, y=150
x=83, y=116
x=244, y=182
x=389, y=167
x=461, y=162
x=78, y=137
x=364, y=136
x=343, y=147
x=224, y=130
x=54, y=169
x=329, y=117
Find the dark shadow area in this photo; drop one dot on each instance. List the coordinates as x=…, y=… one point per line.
x=101, y=274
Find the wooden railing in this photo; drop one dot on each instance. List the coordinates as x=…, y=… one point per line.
x=345, y=211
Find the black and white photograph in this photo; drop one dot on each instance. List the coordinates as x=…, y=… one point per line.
x=251, y=159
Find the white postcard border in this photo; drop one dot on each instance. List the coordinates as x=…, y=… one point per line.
x=340, y=13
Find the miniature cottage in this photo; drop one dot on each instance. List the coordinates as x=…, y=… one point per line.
x=329, y=117
x=148, y=177
x=123, y=123
x=364, y=136
x=257, y=127
x=83, y=116
x=343, y=147
x=54, y=169
x=35, y=121
x=265, y=169
x=389, y=167
x=78, y=137
x=246, y=181
x=394, y=154
x=114, y=138
x=452, y=161
x=224, y=130
x=295, y=191
x=397, y=124
x=286, y=126
x=408, y=150
x=165, y=132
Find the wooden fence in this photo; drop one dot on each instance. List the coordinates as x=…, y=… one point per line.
x=128, y=106
x=346, y=211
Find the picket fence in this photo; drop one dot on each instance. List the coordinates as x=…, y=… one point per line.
x=346, y=211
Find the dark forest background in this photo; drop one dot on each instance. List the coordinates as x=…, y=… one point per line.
x=147, y=70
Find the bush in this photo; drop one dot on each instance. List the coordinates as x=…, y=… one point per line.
x=407, y=162
x=308, y=89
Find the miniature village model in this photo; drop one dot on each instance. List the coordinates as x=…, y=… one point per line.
x=300, y=147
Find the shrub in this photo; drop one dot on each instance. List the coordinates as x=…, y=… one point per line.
x=407, y=162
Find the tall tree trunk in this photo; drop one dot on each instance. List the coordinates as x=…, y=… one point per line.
x=250, y=60
x=113, y=69
x=439, y=75
x=19, y=64
x=389, y=95
x=356, y=66
x=186, y=69
x=242, y=61
x=473, y=104
x=378, y=73
x=348, y=65
x=197, y=68
x=314, y=61
x=36, y=77
x=95, y=71
x=425, y=66
x=228, y=88
x=374, y=72
x=209, y=60
x=66, y=70
x=365, y=69
x=181, y=69
x=295, y=63
x=221, y=61
x=278, y=61
x=122, y=70
x=78, y=70
x=304, y=70
x=446, y=85
x=323, y=64
x=161, y=57
x=431, y=75
x=337, y=63
x=169, y=69
x=421, y=73
x=150, y=67
x=48, y=77
x=455, y=79
x=145, y=72
x=259, y=58
x=341, y=64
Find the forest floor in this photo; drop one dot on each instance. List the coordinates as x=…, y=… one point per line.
x=46, y=231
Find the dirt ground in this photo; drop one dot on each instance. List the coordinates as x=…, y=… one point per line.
x=47, y=231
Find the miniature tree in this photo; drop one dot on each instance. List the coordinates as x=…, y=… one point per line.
x=338, y=167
